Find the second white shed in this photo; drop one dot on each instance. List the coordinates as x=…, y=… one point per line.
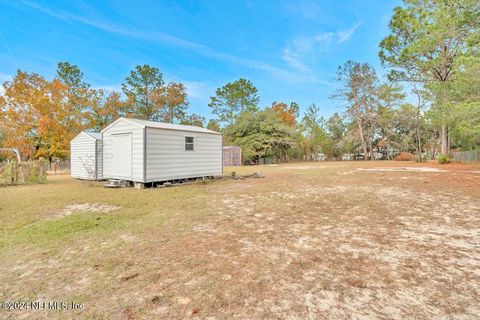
x=86, y=156
x=148, y=151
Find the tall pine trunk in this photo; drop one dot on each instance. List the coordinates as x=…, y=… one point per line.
x=444, y=140
x=362, y=139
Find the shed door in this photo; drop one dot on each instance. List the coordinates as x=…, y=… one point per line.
x=122, y=156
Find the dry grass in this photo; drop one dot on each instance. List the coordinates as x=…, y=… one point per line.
x=311, y=240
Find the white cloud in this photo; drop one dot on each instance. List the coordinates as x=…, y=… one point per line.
x=299, y=52
x=294, y=59
x=198, y=89
x=324, y=39
x=299, y=49
x=345, y=35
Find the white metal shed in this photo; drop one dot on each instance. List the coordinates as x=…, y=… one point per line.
x=148, y=151
x=86, y=153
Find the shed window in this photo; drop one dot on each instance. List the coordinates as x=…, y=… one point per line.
x=189, y=144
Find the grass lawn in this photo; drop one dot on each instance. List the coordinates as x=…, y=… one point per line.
x=310, y=240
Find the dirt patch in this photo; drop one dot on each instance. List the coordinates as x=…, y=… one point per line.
x=204, y=228
x=83, y=207
x=403, y=169
x=303, y=167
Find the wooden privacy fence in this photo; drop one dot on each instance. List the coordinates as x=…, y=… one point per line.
x=232, y=156
x=466, y=156
x=13, y=173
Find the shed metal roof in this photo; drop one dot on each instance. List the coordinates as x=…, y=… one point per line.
x=93, y=135
x=163, y=125
x=96, y=135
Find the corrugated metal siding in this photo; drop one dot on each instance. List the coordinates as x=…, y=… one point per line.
x=167, y=158
x=82, y=157
x=99, y=159
x=137, y=149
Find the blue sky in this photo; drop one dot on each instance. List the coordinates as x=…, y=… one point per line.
x=290, y=50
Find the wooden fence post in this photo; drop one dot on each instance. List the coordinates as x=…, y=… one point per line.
x=14, y=164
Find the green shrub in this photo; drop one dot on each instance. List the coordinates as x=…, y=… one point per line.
x=442, y=159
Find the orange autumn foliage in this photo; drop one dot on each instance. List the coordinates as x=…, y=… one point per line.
x=285, y=113
x=37, y=118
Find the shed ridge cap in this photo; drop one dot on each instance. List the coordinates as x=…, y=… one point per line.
x=162, y=125
x=121, y=119
x=85, y=133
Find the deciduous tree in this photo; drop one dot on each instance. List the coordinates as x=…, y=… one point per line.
x=287, y=114
x=314, y=135
x=173, y=99
x=213, y=125
x=36, y=115
x=259, y=134
x=106, y=108
x=20, y=112
x=194, y=120
x=336, y=131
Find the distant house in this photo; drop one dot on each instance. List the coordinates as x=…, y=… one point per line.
x=232, y=156
x=320, y=157
x=86, y=156
x=148, y=151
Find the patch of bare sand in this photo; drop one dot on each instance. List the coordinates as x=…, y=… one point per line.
x=304, y=167
x=403, y=169
x=204, y=228
x=83, y=207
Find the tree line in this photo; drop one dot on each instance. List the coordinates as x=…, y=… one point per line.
x=428, y=104
x=41, y=117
